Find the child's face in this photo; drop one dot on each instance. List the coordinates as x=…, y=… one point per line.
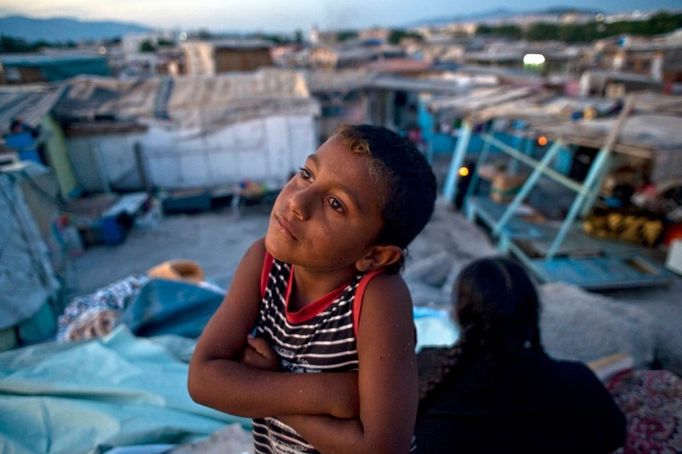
x=329, y=213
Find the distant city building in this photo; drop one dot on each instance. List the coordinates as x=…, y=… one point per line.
x=377, y=33
x=216, y=57
x=323, y=57
x=314, y=35
x=557, y=58
x=658, y=58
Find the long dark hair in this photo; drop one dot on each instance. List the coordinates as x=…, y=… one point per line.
x=497, y=309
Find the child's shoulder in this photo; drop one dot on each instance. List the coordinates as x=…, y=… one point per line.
x=252, y=260
x=387, y=287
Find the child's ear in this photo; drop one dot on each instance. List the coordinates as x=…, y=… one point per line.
x=379, y=257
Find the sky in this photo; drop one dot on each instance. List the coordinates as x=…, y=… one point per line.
x=289, y=15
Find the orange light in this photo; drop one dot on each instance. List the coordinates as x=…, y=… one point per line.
x=463, y=171
x=542, y=141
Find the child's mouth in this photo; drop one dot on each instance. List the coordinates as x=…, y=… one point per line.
x=284, y=227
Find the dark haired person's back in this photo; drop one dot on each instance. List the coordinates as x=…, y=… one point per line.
x=522, y=402
x=497, y=390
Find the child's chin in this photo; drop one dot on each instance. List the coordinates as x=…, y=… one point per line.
x=271, y=245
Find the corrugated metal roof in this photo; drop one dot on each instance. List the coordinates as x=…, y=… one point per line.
x=89, y=97
x=194, y=101
x=47, y=59
x=28, y=102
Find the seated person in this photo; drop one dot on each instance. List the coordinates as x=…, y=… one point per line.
x=496, y=390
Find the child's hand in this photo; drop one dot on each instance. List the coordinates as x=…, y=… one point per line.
x=259, y=355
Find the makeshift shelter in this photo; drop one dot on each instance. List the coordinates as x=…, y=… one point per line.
x=636, y=132
x=28, y=282
x=188, y=131
x=32, y=105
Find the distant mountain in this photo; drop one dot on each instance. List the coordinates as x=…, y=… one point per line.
x=62, y=29
x=498, y=14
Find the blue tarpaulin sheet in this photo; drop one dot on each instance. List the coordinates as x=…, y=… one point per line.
x=90, y=396
x=123, y=390
x=171, y=307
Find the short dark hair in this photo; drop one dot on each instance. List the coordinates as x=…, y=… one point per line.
x=410, y=183
x=497, y=306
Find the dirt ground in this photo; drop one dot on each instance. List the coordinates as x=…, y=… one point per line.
x=575, y=324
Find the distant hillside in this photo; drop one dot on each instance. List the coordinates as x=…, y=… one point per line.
x=500, y=13
x=65, y=29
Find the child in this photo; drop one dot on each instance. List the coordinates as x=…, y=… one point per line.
x=497, y=390
x=322, y=290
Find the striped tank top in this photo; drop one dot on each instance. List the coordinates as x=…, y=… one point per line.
x=321, y=337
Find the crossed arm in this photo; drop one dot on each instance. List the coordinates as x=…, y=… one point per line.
x=371, y=411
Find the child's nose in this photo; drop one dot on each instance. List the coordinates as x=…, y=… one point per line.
x=299, y=203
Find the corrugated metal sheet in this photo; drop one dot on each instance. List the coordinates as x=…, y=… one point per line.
x=92, y=97
x=29, y=102
x=195, y=101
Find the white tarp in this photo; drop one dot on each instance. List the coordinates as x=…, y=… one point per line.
x=27, y=279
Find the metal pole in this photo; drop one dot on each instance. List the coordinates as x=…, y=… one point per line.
x=450, y=190
x=474, y=177
x=591, y=179
x=595, y=169
x=530, y=162
x=527, y=187
x=141, y=166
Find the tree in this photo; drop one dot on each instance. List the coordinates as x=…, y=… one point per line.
x=346, y=35
x=542, y=31
x=147, y=46
x=504, y=31
x=204, y=35
x=165, y=43
x=396, y=35
x=9, y=44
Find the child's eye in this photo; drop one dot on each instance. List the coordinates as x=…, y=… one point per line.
x=305, y=173
x=335, y=204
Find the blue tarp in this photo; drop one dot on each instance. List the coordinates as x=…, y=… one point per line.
x=124, y=390
x=434, y=327
x=171, y=307
x=89, y=396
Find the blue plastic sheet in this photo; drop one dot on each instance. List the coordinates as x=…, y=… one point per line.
x=90, y=396
x=123, y=390
x=171, y=307
x=434, y=327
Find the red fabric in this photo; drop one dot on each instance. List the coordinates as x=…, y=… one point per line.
x=312, y=309
x=359, y=295
x=652, y=403
x=265, y=272
x=321, y=304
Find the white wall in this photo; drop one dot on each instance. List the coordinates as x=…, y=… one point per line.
x=264, y=150
x=102, y=160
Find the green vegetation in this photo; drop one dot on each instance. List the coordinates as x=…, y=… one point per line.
x=584, y=33
x=273, y=38
x=9, y=45
x=397, y=35
x=165, y=43
x=147, y=46
x=346, y=35
x=503, y=31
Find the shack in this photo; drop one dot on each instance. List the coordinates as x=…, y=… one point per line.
x=637, y=137
x=188, y=132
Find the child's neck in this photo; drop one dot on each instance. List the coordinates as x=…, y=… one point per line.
x=311, y=285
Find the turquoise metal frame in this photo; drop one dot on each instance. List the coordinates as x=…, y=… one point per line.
x=550, y=266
